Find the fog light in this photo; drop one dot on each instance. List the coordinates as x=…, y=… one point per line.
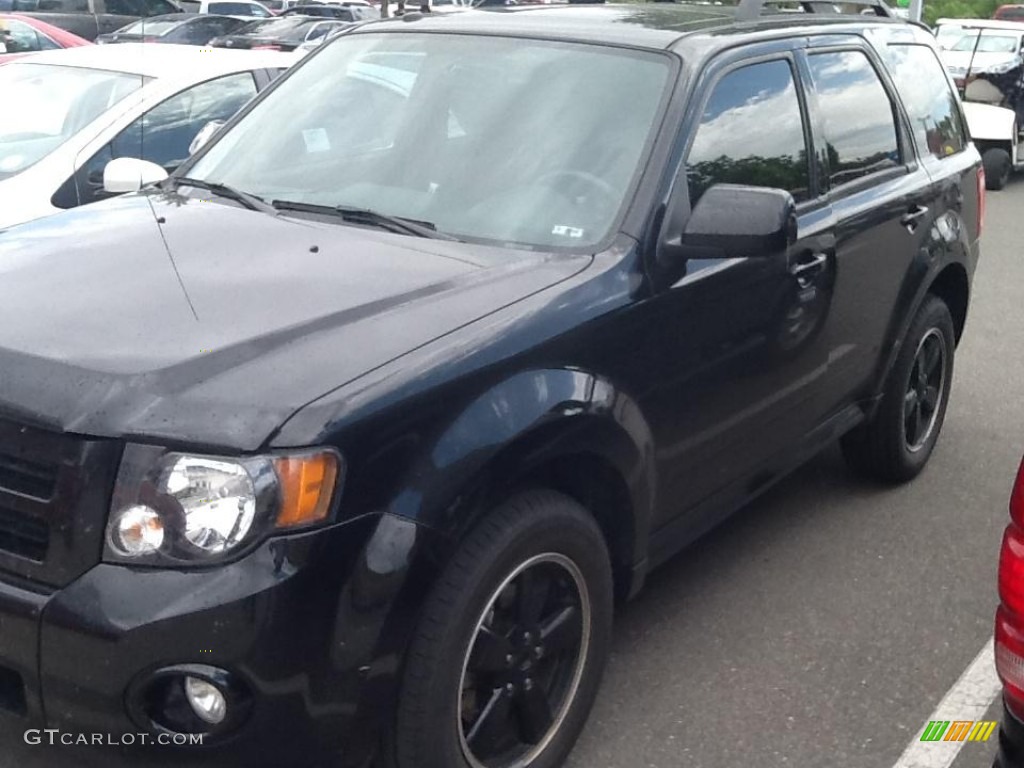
x=206, y=700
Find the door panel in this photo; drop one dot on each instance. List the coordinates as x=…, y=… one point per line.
x=883, y=204
x=737, y=342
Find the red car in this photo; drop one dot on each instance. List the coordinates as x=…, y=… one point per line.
x=20, y=35
x=1010, y=631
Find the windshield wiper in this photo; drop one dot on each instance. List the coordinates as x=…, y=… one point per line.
x=367, y=216
x=252, y=202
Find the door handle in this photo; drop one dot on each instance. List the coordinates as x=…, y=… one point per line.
x=913, y=217
x=811, y=263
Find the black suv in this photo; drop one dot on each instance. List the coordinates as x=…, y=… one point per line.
x=340, y=442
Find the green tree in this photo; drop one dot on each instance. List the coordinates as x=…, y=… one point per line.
x=958, y=9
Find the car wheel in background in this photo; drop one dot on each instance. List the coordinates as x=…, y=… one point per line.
x=997, y=167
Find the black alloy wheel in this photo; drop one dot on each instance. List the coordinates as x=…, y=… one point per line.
x=524, y=663
x=507, y=656
x=894, y=445
x=925, y=389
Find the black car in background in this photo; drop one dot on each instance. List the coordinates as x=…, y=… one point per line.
x=179, y=28
x=90, y=18
x=278, y=34
x=341, y=442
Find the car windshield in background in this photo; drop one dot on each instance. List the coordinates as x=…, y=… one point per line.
x=987, y=43
x=272, y=27
x=491, y=139
x=151, y=27
x=234, y=9
x=947, y=35
x=45, y=105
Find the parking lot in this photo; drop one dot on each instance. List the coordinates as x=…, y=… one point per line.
x=822, y=625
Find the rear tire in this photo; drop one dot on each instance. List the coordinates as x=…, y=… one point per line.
x=896, y=443
x=508, y=655
x=997, y=168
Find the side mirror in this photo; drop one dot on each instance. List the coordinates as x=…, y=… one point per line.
x=733, y=221
x=205, y=134
x=130, y=174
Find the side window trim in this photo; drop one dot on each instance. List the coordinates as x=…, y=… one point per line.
x=904, y=136
x=718, y=69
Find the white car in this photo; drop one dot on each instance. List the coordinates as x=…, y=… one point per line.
x=66, y=115
x=985, y=59
x=240, y=9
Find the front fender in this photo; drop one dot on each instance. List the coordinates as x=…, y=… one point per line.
x=518, y=426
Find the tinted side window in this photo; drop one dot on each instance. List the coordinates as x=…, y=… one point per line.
x=860, y=125
x=156, y=7
x=124, y=7
x=62, y=6
x=751, y=132
x=930, y=102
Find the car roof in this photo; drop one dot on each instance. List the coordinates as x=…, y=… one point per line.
x=187, y=62
x=644, y=25
x=1015, y=26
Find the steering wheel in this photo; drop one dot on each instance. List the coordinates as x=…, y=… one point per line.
x=552, y=178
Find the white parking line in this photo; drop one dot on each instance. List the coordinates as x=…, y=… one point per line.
x=968, y=699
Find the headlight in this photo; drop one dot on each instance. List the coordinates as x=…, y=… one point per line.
x=172, y=508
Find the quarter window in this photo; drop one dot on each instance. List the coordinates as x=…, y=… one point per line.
x=860, y=125
x=929, y=99
x=751, y=132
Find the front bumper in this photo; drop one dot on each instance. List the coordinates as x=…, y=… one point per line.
x=311, y=625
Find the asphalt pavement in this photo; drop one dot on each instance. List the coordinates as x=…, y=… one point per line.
x=823, y=624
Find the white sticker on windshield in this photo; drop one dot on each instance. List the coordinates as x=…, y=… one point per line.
x=565, y=231
x=316, y=140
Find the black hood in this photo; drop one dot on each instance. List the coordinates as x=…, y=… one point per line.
x=217, y=324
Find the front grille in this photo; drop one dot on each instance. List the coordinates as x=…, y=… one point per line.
x=23, y=535
x=27, y=477
x=54, y=493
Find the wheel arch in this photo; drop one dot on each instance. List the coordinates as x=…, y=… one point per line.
x=568, y=430
x=952, y=286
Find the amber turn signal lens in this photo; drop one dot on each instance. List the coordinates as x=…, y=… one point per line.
x=307, y=483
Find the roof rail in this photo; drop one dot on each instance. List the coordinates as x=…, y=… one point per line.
x=749, y=10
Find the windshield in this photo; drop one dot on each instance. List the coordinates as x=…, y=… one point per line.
x=490, y=139
x=45, y=105
x=989, y=42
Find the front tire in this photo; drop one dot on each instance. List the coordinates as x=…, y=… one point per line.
x=508, y=655
x=897, y=442
x=997, y=165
